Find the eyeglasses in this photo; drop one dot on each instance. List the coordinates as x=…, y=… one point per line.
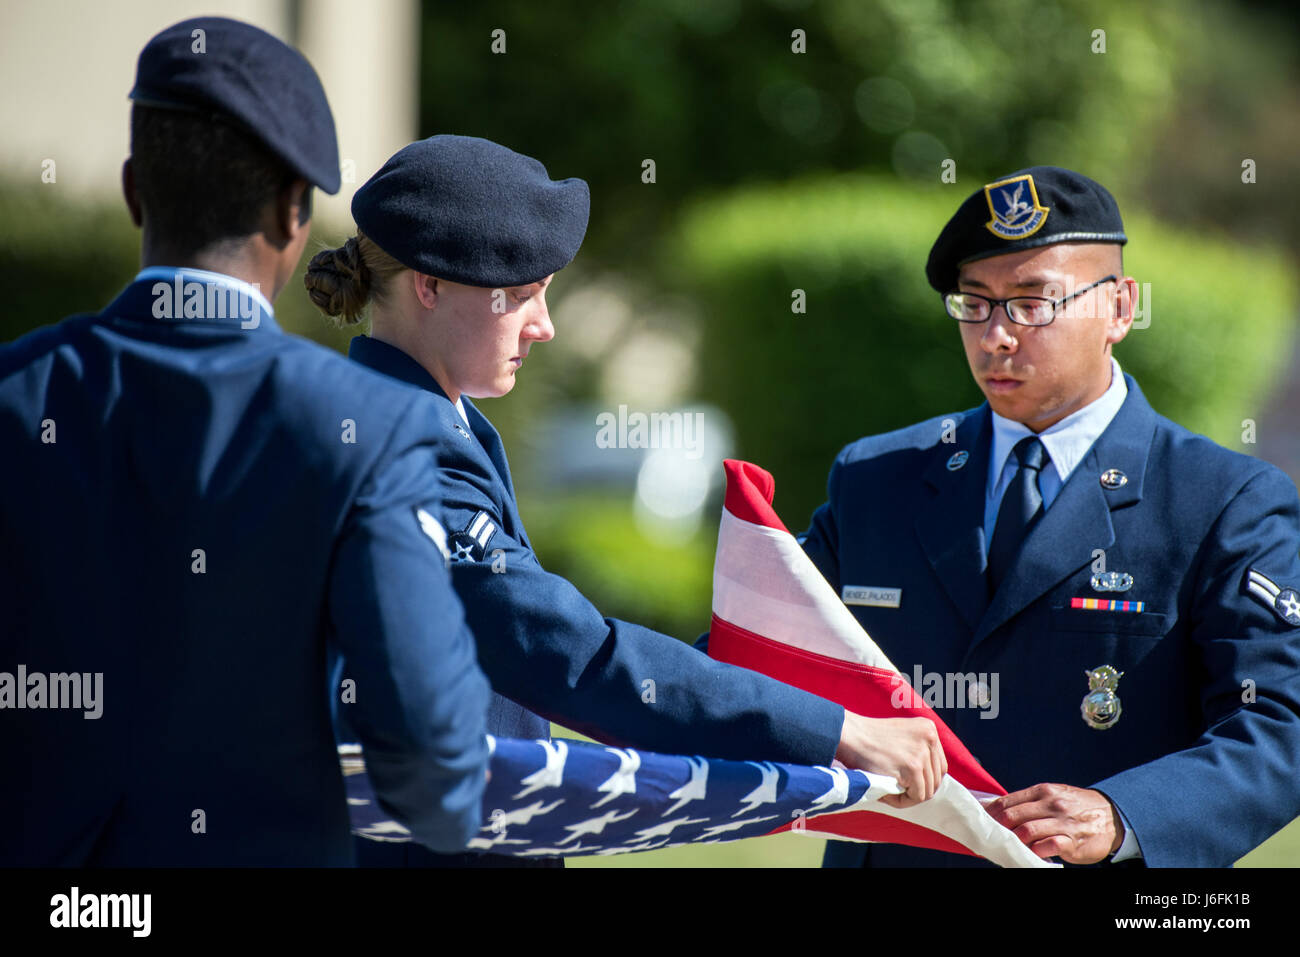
x=1022, y=310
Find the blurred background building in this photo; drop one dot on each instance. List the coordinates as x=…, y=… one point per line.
x=66, y=68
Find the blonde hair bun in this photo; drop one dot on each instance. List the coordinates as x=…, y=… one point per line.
x=338, y=282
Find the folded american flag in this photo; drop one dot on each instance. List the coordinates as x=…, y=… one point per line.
x=775, y=613
x=565, y=798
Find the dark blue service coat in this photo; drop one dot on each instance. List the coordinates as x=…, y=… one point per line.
x=1204, y=760
x=549, y=653
x=193, y=510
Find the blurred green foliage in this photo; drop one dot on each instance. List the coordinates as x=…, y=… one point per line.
x=875, y=350
x=58, y=258
x=714, y=94
x=594, y=539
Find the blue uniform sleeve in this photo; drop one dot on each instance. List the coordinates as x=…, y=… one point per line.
x=545, y=646
x=1242, y=770
x=419, y=702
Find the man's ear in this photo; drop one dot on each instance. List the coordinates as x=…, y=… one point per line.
x=293, y=209
x=1126, y=304
x=426, y=289
x=129, y=194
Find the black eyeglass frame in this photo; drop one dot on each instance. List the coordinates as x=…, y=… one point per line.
x=1006, y=303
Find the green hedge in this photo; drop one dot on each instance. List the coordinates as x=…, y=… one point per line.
x=593, y=540
x=60, y=256
x=875, y=350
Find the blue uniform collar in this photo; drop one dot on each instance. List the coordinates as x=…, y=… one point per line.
x=951, y=531
x=164, y=295
x=189, y=273
x=394, y=363
x=180, y=294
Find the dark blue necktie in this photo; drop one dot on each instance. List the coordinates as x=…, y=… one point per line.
x=1022, y=506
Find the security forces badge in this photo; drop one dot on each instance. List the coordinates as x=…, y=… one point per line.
x=1015, y=215
x=1101, y=706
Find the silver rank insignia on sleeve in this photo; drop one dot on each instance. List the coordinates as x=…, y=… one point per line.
x=1284, y=602
x=1101, y=705
x=470, y=543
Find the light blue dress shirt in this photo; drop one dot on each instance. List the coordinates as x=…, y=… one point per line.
x=241, y=289
x=1067, y=442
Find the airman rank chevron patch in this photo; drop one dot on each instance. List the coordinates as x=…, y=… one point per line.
x=1284, y=602
x=470, y=543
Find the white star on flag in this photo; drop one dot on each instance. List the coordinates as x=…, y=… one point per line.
x=667, y=827
x=696, y=789
x=765, y=793
x=839, y=792
x=596, y=824
x=622, y=781
x=520, y=815
x=732, y=826
x=550, y=776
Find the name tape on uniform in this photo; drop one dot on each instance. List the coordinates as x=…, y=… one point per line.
x=875, y=597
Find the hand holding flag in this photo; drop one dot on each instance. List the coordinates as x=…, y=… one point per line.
x=905, y=749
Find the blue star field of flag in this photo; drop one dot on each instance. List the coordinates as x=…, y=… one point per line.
x=568, y=798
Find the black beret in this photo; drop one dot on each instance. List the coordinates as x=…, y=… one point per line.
x=246, y=75
x=471, y=211
x=1035, y=207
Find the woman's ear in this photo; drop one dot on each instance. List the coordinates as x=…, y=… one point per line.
x=426, y=289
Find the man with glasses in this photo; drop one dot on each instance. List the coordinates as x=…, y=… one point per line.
x=1134, y=588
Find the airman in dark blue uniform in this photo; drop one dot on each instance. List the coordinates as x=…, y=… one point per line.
x=458, y=238
x=195, y=506
x=1131, y=585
